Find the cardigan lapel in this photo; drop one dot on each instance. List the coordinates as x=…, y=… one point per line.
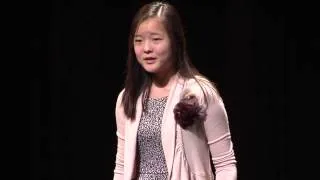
x=168, y=132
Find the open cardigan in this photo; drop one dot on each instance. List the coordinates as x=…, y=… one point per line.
x=188, y=152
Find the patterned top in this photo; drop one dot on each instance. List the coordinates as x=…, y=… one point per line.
x=151, y=161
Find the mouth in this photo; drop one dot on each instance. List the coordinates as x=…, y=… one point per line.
x=149, y=60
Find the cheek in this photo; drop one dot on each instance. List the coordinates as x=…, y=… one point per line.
x=165, y=50
x=137, y=51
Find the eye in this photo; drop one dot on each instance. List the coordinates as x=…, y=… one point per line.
x=137, y=40
x=156, y=39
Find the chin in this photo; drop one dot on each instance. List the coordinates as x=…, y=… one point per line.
x=151, y=69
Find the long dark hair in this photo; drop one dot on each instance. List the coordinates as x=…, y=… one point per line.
x=137, y=79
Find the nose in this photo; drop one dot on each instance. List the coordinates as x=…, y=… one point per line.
x=147, y=47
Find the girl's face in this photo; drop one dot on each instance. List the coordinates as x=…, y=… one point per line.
x=152, y=47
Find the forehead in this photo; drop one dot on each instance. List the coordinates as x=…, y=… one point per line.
x=151, y=26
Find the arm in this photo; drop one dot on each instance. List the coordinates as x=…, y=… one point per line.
x=120, y=121
x=219, y=140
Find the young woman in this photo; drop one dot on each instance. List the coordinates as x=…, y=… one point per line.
x=171, y=121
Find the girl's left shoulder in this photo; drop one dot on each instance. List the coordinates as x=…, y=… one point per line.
x=201, y=87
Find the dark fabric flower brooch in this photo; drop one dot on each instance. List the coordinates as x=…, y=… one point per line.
x=188, y=111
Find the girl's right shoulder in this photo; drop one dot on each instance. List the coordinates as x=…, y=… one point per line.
x=119, y=97
x=120, y=94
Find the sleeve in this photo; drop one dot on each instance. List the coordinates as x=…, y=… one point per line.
x=120, y=123
x=219, y=140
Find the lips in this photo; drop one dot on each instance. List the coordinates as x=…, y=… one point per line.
x=149, y=60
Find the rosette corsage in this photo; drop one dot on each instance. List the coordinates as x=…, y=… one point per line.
x=189, y=111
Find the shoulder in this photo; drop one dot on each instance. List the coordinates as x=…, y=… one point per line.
x=201, y=87
x=119, y=99
x=119, y=109
x=120, y=94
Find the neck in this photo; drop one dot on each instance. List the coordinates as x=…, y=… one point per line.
x=164, y=80
x=161, y=85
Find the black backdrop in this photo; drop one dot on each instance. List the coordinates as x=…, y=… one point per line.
x=252, y=50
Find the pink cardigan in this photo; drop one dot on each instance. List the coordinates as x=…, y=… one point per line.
x=187, y=151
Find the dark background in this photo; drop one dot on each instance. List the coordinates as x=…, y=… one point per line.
x=261, y=54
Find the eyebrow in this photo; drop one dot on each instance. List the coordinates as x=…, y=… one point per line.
x=152, y=34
